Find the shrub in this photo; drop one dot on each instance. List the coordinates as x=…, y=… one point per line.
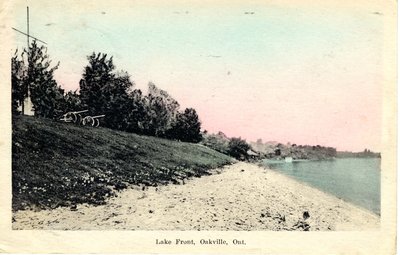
x=186, y=128
x=238, y=148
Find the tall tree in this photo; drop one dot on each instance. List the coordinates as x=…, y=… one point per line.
x=97, y=76
x=104, y=91
x=161, y=110
x=46, y=95
x=137, y=113
x=187, y=127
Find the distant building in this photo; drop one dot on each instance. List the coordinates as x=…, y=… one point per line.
x=288, y=159
x=252, y=154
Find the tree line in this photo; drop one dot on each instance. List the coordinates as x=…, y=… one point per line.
x=362, y=154
x=273, y=150
x=234, y=146
x=102, y=90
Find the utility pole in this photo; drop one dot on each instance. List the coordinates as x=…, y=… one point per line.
x=26, y=104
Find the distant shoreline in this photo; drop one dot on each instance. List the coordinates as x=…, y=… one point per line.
x=307, y=160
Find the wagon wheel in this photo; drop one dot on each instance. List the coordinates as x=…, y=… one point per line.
x=78, y=119
x=96, y=123
x=88, y=121
x=93, y=121
x=84, y=121
x=74, y=117
x=69, y=117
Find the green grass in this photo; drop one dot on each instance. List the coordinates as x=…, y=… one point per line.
x=60, y=164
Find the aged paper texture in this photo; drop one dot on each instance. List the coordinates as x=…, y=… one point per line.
x=264, y=127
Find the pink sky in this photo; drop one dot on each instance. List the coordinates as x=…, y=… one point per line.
x=287, y=73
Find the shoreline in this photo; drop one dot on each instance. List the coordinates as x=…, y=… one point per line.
x=242, y=196
x=320, y=190
x=325, y=192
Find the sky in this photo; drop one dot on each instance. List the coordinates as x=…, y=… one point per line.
x=301, y=73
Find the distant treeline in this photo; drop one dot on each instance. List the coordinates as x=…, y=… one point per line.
x=235, y=146
x=273, y=150
x=270, y=150
x=103, y=90
x=363, y=154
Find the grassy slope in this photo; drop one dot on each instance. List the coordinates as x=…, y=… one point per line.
x=59, y=164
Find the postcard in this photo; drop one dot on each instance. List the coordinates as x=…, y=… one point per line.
x=263, y=127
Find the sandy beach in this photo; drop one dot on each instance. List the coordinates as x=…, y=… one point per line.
x=241, y=196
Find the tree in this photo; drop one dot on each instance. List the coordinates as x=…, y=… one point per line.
x=161, y=111
x=46, y=96
x=218, y=142
x=238, y=148
x=97, y=75
x=118, y=106
x=137, y=112
x=103, y=91
x=187, y=127
x=72, y=102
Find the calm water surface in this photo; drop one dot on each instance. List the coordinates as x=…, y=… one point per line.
x=356, y=180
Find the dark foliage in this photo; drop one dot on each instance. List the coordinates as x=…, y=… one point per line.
x=238, y=148
x=161, y=111
x=36, y=80
x=137, y=113
x=102, y=91
x=72, y=102
x=186, y=128
x=46, y=95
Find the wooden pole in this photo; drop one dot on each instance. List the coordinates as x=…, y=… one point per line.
x=26, y=102
x=28, y=52
x=27, y=109
x=27, y=24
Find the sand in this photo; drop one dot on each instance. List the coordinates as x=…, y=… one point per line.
x=241, y=196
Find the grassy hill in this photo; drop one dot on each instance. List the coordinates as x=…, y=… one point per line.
x=60, y=164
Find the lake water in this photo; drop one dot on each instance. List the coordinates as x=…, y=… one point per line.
x=356, y=180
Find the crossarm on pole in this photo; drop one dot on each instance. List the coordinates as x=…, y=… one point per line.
x=28, y=35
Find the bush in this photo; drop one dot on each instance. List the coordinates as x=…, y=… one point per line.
x=186, y=128
x=218, y=142
x=238, y=148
